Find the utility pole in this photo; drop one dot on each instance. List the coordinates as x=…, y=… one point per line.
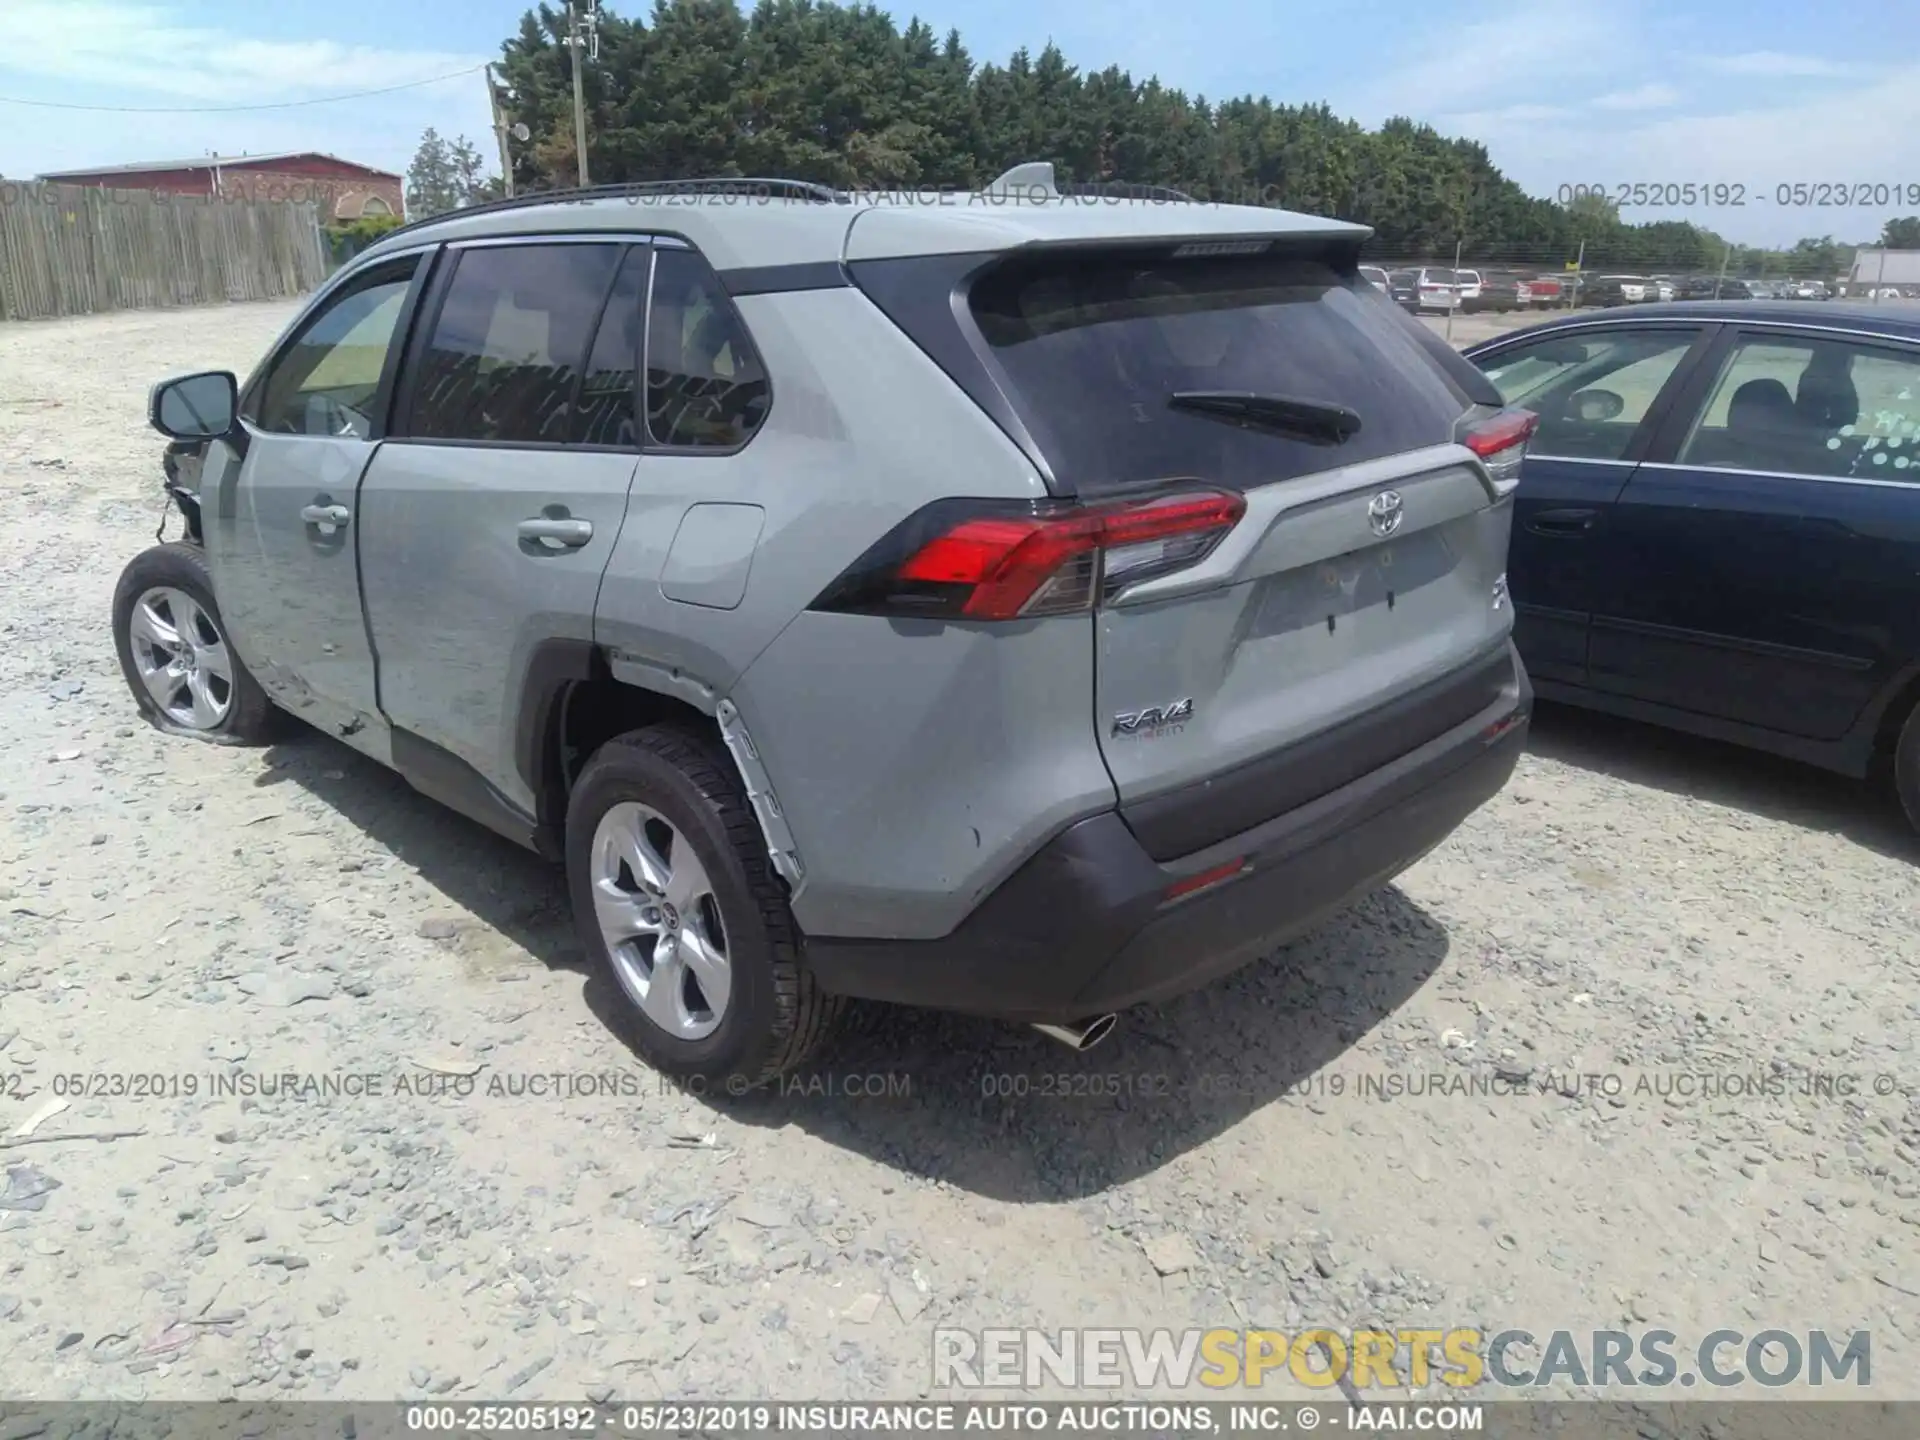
x=1725, y=261
x=583, y=39
x=1579, y=275
x=500, y=132
x=1458, y=241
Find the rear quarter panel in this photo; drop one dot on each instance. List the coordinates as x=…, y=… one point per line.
x=916, y=763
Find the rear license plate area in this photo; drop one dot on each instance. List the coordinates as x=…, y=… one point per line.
x=1380, y=575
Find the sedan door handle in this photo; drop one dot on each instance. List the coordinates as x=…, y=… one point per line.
x=549, y=530
x=1562, y=522
x=326, y=514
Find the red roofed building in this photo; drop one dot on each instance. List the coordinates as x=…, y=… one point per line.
x=341, y=189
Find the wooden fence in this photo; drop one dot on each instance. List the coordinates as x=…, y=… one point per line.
x=76, y=250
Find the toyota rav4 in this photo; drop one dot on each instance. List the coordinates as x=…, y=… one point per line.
x=1026, y=604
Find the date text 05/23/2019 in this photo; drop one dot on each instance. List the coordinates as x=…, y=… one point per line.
x=1735, y=194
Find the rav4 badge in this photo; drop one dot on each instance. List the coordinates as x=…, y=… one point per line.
x=1155, y=721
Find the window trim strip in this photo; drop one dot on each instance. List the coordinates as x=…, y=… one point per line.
x=785, y=279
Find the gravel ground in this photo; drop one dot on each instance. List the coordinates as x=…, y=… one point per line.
x=1636, y=908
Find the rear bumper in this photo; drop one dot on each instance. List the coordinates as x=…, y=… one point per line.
x=1084, y=926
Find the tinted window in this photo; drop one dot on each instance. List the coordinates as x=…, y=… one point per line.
x=508, y=343
x=1093, y=346
x=609, y=391
x=328, y=380
x=1813, y=407
x=1590, y=393
x=705, y=387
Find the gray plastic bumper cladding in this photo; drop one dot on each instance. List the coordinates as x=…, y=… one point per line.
x=1086, y=925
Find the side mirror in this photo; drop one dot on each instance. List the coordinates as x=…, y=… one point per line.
x=195, y=407
x=1595, y=406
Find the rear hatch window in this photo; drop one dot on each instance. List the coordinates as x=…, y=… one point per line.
x=1093, y=347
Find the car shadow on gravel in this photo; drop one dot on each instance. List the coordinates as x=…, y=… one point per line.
x=1761, y=785
x=509, y=890
x=995, y=1109
x=1001, y=1111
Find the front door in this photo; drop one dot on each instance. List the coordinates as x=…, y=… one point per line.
x=1761, y=567
x=490, y=514
x=1593, y=391
x=280, y=500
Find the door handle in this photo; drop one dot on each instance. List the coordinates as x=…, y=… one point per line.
x=326, y=514
x=1562, y=522
x=555, y=531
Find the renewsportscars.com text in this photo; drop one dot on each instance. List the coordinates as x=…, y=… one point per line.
x=1409, y=1358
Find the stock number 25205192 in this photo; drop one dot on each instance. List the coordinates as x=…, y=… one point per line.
x=1732, y=194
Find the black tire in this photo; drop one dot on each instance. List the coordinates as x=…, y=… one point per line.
x=251, y=718
x=1906, y=768
x=776, y=1016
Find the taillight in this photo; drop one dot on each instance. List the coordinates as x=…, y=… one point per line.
x=1501, y=444
x=999, y=560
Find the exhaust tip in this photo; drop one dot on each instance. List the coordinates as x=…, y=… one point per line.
x=1081, y=1035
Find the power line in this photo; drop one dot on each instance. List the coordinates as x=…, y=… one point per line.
x=232, y=109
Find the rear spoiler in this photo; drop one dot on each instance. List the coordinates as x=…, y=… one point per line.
x=1466, y=377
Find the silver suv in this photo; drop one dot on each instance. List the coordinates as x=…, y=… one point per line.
x=1016, y=603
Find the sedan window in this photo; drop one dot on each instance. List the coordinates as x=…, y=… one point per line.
x=1811, y=406
x=1591, y=393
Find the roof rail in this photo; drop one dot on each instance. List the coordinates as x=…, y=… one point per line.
x=1127, y=190
x=639, y=189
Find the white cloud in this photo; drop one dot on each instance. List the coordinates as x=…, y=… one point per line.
x=1862, y=133
x=1530, y=52
x=126, y=53
x=1644, y=97
x=1778, y=65
x=142, y=48
x=1731, y=135
x=1478, y=124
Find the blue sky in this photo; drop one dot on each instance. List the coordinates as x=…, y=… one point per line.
x=1750, y=92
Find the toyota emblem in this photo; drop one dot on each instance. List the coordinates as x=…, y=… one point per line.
x=1385, y=512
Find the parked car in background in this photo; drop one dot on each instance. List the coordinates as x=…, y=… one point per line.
x=1404, y=287
x=533, y=505
x=1613, y=290
x=1498, y=290
x=1663, y=287
x=1377, y=278
x=1467, y=282
x=1763, y=289
x=1718, y=524
x=1808, y=290
x=1431, y=288
x=1549, y=289
x=1712, y=287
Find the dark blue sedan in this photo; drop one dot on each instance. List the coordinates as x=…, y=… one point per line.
x=1718, y=523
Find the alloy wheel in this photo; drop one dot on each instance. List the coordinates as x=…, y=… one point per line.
x=182, y=658
x=660, y=921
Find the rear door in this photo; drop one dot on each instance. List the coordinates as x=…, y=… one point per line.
x=1364, y=568
x=1764, y=565
x=487, y=518
x=1595, y=390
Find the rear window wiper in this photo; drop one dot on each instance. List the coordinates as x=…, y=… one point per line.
x=1316, y=420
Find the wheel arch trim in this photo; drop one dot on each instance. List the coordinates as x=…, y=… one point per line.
x=556, y=667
